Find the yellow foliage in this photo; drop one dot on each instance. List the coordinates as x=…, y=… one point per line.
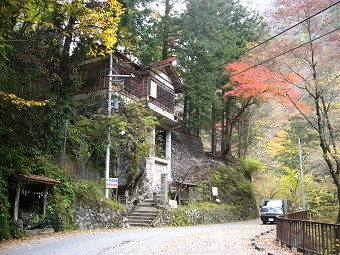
x=275, y=144
x=100, y=24
x=20, y=102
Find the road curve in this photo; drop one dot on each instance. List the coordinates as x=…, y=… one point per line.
x=231, y=238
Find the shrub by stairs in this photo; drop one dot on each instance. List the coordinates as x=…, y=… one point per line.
x=143, y=215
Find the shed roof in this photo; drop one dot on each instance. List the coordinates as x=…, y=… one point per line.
x=188, y=184
x=39, y=179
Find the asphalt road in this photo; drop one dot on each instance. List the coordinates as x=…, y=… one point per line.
x=231, y=238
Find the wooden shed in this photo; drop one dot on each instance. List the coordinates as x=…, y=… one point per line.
x=35, y=186
x=183, y=188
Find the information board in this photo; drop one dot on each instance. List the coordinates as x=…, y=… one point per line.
x=112, y=183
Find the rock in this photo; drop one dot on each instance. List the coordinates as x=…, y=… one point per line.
x=272, y=253
x=261, y=247
x=38, y=231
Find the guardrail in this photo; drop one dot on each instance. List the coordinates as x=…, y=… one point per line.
x=311, y=237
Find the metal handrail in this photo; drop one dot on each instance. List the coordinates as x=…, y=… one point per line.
x=297, y=230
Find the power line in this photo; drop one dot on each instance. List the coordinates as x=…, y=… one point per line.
x=267, y=40
x=282, y=32
x=258, y=64
x=281, y=54
x=299, y=46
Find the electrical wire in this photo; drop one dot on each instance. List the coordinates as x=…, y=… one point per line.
x=258, y=64
x=282, y=32
x=269, y=39
x=283, y=53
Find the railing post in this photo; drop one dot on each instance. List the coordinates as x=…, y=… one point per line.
x=337, y=239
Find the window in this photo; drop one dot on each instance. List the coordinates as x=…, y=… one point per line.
x=163, y=94
x=90, y=77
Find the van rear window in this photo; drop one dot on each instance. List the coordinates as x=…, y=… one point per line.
x=273, y=203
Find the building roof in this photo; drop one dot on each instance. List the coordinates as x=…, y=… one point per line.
x=39, y=179
x=164, y=62
x=167, y=64
x=187, y=184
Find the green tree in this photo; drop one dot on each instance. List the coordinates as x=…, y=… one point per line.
x=214, y=32
x=39, y=62
x=130, y=128
x=41, y=45
x=149, y=33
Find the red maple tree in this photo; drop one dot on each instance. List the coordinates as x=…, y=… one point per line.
x=263, y=84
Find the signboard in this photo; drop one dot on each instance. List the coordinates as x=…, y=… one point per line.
x=173, y=203
x=111, y=183
x=214, y=191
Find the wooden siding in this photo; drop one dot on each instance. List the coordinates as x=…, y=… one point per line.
x=94, y=77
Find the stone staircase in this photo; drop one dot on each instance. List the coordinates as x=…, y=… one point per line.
x=143, y=215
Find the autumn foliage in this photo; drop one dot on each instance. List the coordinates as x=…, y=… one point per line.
x=262, y=84
x=21, y=103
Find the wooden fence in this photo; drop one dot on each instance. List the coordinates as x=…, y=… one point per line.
x=311, y=237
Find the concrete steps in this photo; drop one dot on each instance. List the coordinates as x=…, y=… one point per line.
x=143, y=215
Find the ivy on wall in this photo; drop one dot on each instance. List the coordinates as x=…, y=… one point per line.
x=129, y=127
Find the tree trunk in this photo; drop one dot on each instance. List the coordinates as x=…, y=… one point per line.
x=185, y=108
x=223, y=131
x=228, y=131
x=338, y=218
x=166, y=20
x=213, y=130
x=328, y=146
x=240, y=132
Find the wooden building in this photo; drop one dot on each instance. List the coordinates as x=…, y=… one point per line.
x=157, y=86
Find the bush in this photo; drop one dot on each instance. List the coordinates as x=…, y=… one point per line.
x=180, y=217
x=5, y=231
x=250, y=166
x=60, y=208
x=69, y=193
x=203, y=213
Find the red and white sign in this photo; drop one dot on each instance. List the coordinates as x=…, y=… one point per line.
x=111, y=183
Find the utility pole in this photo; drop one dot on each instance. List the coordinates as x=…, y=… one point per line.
x=301, y=177
x=109, y=113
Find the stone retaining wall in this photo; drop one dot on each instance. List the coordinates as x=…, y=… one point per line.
x=187, y=150
x=184, y=217
x=99, y=216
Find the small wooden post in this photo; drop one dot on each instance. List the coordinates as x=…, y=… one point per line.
x=16, y=202
x=44, y=200
x=117, y=194
x=179, y=195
